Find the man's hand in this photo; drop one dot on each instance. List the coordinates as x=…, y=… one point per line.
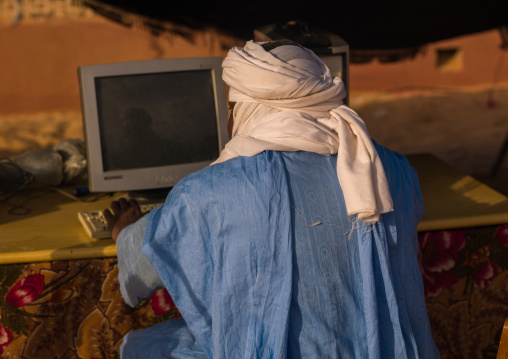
x=123, y=213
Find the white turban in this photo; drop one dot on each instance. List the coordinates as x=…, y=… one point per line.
x=287, y=100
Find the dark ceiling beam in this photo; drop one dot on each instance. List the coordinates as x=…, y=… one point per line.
x=388, y=24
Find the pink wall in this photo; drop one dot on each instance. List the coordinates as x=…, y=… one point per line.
x=480, y=55
x=38, y=65
x=39, y=61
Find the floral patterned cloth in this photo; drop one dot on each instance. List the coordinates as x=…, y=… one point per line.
x=74, y=309
x=70, y=309
x=465, y=276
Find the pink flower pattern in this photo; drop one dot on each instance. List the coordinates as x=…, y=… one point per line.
x=5, y=337
x=484, y=274
x=162, y=302
x=438, y=255
x=25, y=291
x=501, y=234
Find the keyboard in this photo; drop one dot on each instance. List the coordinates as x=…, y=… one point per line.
x=95, y=224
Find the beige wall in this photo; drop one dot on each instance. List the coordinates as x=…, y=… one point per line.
x=39, y=60
x=478, y=57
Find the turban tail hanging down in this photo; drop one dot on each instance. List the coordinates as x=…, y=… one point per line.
x=287, y=100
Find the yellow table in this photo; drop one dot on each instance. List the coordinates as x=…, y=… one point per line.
x=52, y=231
x=59, y=291
x=454, y=200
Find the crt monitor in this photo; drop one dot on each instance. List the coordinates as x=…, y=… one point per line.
x=149, y=123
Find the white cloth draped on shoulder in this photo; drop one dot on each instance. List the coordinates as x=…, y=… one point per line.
x=287, y=100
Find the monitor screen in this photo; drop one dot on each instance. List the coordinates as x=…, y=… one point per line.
x=150, y=123
x=156, y=119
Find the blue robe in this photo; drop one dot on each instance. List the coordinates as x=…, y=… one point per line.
x=263, y=261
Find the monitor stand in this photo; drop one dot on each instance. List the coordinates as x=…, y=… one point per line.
x=149, y=196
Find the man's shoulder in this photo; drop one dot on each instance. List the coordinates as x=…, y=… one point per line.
x=243, y=171
x=230, y=183
x=228, y=174
x=391, y=158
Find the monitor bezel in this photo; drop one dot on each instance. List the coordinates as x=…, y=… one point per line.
x=150, y=177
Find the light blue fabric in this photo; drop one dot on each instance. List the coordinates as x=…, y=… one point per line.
x=259, y=257
x=138, y=279
x=170, y=339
